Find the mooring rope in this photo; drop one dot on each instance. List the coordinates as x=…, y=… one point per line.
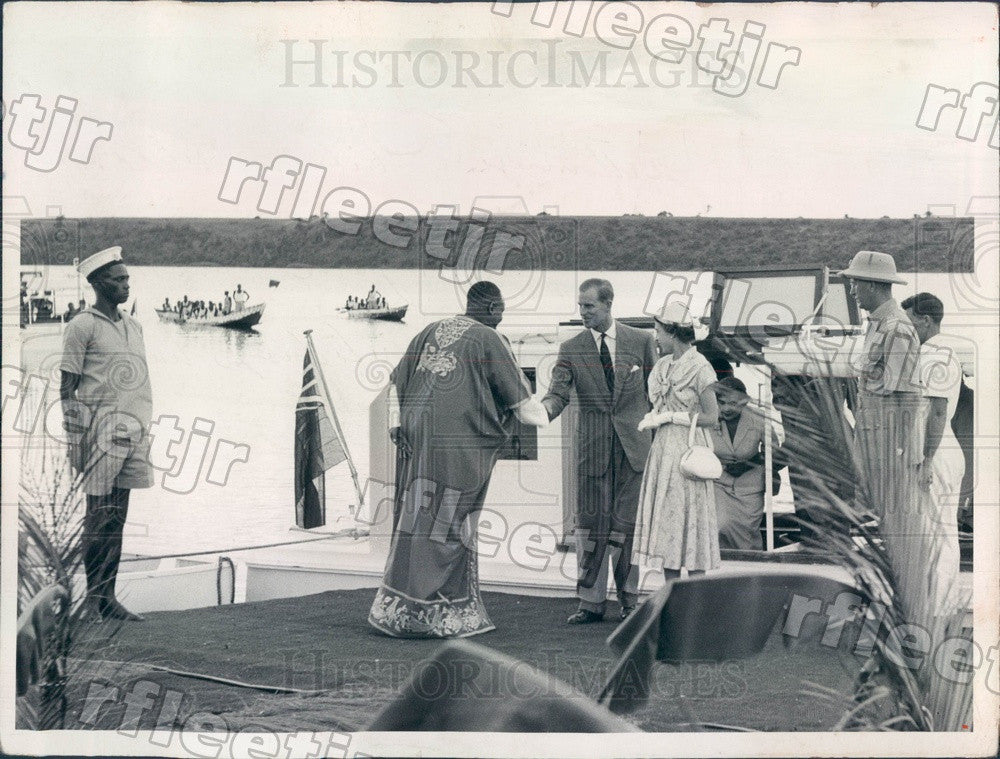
x=352, y=532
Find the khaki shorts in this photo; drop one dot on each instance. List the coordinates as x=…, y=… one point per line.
x=112, y=457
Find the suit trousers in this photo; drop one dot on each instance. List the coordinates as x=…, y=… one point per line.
x=616, y=491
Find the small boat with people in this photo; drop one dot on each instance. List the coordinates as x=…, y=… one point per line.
x=373, y=306
x=394, y=314
x=232, y=312
x=245, y=319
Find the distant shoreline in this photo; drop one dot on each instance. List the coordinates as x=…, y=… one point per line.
x=555, y=243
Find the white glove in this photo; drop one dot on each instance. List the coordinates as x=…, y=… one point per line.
x=683, y=418
x=653, y=419
x=647, y=422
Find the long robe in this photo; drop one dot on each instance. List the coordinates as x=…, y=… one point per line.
x=457, y=386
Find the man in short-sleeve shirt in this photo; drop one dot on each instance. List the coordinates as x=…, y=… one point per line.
x=889, y=437
x=107, y=408
x=943, y=465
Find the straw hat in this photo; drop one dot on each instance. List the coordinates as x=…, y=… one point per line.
x=873, y=266
x=108, y=256
x=675, y=312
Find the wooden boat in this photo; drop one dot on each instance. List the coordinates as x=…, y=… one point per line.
x=244, y=319
x=393, y=314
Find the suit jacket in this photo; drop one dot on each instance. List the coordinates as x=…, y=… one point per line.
x=604, y=413
x=744, y=445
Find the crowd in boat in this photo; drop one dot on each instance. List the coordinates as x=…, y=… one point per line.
x=372, y=300
x=200, y=309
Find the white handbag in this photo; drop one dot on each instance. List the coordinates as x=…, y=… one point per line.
x=699, y=462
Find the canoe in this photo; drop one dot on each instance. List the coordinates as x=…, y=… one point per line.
x=244, y=319
x=394, y=314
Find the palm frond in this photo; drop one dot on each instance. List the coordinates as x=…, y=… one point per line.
x=894, y=560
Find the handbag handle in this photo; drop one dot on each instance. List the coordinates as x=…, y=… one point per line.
x=694, y=426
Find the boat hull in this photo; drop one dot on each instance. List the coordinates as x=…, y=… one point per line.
x=244, y=319
x=379, y=314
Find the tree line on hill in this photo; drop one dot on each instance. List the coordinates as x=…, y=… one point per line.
x=588, y=243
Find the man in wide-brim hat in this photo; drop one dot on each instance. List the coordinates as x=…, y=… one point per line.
x=886, y=430
x=107, y=409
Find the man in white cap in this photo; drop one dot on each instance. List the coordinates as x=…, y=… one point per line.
x=608, y=366
x=107, y=407
x=889, y=392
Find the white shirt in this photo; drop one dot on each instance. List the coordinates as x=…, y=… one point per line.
x=940, y=373
x=609, y=339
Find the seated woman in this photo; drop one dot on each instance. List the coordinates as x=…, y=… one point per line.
x=738, y=442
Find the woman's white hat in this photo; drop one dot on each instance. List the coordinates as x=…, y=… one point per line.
x=675, y=312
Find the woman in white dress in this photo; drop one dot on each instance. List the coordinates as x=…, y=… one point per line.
x=676, y=526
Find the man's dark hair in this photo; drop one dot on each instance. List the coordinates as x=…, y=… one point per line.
x=605, y=292
x=482, y=295
x=733, y=383
x=925, y=304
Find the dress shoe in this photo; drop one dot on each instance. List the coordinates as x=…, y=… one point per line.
x=584, y=617
x=627, y=611
x=114, y=610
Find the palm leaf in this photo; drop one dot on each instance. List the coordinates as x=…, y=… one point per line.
x=843, y=524
x=50, y=537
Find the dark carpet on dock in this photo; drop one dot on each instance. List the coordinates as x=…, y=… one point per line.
x=323, y=643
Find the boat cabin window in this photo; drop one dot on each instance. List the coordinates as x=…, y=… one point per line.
x=523, y=444
x=839, y=308
x=776, y=305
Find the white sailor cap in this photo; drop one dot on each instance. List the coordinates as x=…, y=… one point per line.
x=108, y=256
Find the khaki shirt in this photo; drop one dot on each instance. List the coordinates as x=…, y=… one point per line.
x=889, y=357
x=110, y=358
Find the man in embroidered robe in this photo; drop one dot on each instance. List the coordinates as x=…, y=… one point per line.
x=458, y=389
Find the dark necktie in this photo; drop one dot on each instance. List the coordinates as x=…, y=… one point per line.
x=609, y=367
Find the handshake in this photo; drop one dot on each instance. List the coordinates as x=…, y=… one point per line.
x=654, y=419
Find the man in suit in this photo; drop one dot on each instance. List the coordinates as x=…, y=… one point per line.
x=608, y=365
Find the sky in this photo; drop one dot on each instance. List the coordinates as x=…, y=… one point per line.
x=192, y=91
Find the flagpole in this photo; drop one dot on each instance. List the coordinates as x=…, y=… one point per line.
x=766, y=403
x=318, y=368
